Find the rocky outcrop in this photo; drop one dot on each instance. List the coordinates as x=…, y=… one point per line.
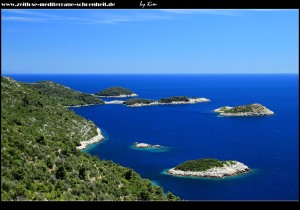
x=93, y=140
x=145, y=145
x=228, y=169
x=245, y=110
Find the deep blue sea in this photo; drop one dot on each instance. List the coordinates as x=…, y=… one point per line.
x=269, y=145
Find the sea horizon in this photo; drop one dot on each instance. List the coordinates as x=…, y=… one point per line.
x=114, y=74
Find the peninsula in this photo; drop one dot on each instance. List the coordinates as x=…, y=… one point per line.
x=137, y=102
x=116, y=92
x=210, y=168
x=245, y=110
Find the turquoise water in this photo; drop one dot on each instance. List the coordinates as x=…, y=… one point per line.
x=268, y=145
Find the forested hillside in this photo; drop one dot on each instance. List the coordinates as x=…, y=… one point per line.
x=64, y=95
x=39, y=159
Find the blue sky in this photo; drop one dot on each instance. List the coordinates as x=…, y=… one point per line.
x=149, y=41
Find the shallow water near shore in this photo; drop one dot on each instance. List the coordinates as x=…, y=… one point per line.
x=267, y=144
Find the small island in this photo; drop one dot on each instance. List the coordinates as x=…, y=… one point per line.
x=210, y=168
x=245, y=110
x=137, y=102
x=145, y=145
x=149, y=147
x=116, y=92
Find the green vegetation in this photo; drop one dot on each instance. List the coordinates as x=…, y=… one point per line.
x=39, y=159
x=114, y=91
x=239, y=109
x=174, y=99
x=137, y=101
x=202, y=164
x=63, y=95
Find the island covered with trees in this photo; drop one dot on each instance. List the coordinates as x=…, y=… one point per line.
x=116, y=92
x=209, y=167
x=40, y=159
x=137, y=102
x=245, y=110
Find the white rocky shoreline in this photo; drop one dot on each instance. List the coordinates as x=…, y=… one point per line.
x=93, y=140
x=119, y=96
x=114, y=102
x=226, y=170
x=191, y=101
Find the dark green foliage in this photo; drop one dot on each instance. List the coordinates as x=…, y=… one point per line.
x=238, y=109
x=200, y=165
x=128, y=174
x=60, y=172
x=82, y=173
x=62, y=94
x=39, y=159
x=174, y=99
x=114, y=91
x=40, y=139
x=171, y=197
x=137, y=101
x=144, y=195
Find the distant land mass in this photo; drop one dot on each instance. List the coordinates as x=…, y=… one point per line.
x=209, y=167
x=40, y=150
x=245, y=110
x=137, y=102
x=116, y=92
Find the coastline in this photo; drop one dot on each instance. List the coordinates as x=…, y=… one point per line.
x=216, y=172
x=99, y=137
x=155, y=103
